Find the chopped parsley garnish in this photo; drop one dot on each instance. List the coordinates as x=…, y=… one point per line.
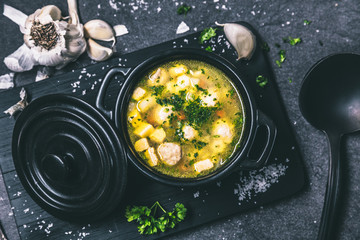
x=147, y=221
x=196, y=155
x=292, y=41
x=282, y=57
x=202, y=71
x=198, y=144
x=196, y=114
x=207, y=34
x=265, y=47
x=261, y=80
x=209, y=49
x=238, y=121
x=183, y=9
x=157, y=90
x=177, y=101
x=290, y=80
x=307, y=22
x=205, y=91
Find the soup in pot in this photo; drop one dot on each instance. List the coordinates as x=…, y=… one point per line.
x=185, y=118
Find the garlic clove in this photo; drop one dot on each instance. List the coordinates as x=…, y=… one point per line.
x=15, y=15
x=49, y=13
x=98, y=52
x=241, y=38
x=21, y=60
x=99, y=30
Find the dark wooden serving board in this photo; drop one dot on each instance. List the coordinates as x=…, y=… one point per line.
x=282, y=176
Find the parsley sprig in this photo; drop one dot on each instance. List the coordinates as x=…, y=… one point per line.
x=149, y=223
x=207, y=34
x=183, y=9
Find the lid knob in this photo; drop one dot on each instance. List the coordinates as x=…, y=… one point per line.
x=57, y=168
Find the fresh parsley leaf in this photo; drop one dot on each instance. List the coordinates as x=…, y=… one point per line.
x=307, y=22
x=207, y=34
x=290, y=80
x=261, y=80
x=265, y=47
x=157, y=90
x=209, y=49
x=198, y=144
x=196, y=114
x=282, y=57
x=183, y=9
x=147, y=221
x=292, y=41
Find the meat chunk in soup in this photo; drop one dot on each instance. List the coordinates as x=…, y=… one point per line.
x=170, y=153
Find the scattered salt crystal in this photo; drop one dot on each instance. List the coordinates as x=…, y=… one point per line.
x=26, y=210
x=158, y=9
x=113, y=5
x=196, y=194
x=110, y=231
x=99, y=6
x=182, y=28
x=215, y=1
x=253, y=13
x=218, y=184
x=287, y=23
x=83, y=92
x=120, y=30
x=258, y=181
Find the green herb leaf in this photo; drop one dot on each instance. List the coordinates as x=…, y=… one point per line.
x=157, y=90
x=282, y=58
x=207, y=34
x=292, y=41
x=209, y=49
x=183, y=9
x=149, y=223
x=307, y=22
x=265, y=47
x=196, y=114
x=261, y=80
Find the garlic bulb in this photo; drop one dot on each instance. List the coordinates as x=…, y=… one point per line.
x=49, y=40
x=241, y=38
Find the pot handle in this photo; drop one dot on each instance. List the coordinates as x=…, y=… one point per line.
x=263, y=121
x=101, y=95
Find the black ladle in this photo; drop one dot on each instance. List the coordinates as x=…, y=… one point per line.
x=330, y=100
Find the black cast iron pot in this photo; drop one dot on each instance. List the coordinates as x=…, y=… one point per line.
x=255, y=120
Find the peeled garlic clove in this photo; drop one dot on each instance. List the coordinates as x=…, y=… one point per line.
x=241, y=38
x=99, y=30
x=98, y=52
x=49, y=13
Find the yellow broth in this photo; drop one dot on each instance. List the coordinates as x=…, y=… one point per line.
x=185, y=118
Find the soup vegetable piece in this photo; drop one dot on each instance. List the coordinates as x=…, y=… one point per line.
x=185, y=118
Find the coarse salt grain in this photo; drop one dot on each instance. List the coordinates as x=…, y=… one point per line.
x=258, y=181
x=182, y=28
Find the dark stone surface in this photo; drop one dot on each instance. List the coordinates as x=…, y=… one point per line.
x=334, y=23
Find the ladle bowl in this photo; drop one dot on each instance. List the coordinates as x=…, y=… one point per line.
x=330, y=100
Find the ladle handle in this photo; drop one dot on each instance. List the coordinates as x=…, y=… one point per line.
x=333, y=191
x=105, y=83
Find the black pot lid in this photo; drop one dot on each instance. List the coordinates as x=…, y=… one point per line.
x=69, y=158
